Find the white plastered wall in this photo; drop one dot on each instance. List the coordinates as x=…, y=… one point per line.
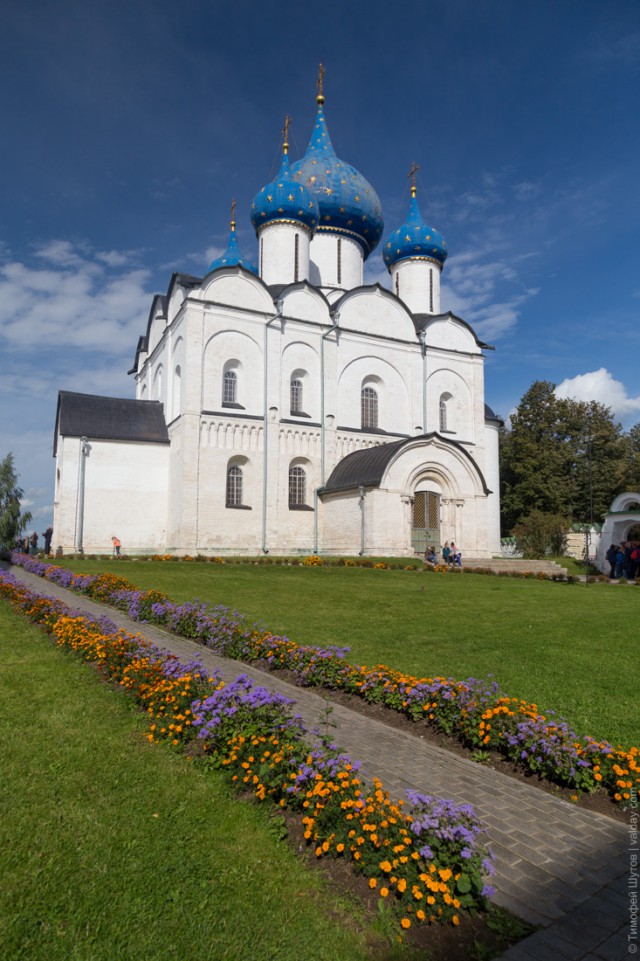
x=125, y=495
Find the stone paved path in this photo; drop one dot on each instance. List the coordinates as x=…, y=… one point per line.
x=561, y=868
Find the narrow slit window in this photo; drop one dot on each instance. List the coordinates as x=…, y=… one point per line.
x=296, y=258
x=297, y=486
x=443, y=414
x=230, y=387
x=234, y=486
x=369, y=408
x=296, y=396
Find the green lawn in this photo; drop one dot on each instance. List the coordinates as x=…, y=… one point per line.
x=564, y=646
x=115, y=850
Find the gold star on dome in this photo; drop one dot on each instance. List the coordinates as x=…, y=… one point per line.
x=429, y=235
x=343, y=181
x=269, y=197
x=342, y=210
x=290, y=198
x=312, y=180
x=357, y=199
x=328, y=190
x=407, y=237
x=389, y=245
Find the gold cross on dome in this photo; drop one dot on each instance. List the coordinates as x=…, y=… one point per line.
x=412, y=177
x=285, y=133
x=321, y=72
x=233, y=214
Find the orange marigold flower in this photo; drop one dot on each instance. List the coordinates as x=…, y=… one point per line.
x=406, y=923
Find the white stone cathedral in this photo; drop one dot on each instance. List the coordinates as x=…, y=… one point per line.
x=290, y=408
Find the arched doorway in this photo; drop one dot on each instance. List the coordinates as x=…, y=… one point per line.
x=425, y=526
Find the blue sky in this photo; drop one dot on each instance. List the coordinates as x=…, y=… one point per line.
x=128, y=127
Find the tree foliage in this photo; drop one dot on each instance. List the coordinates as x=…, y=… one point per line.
x=12, y=520
x=538, y=534
x=564, y=457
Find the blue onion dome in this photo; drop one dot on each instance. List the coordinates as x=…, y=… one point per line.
x=232, y=257
x=284, y=199
x=347, y=201
x=415, y=240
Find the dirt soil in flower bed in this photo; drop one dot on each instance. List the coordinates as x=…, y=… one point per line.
x=598, y=802
x=482, y=936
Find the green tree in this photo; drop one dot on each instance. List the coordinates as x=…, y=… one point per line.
x=632, y=470
x=539, y=534
x=12, y=520
x=562, y=457
x=534, y=462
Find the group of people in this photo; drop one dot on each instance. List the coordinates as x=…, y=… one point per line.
x=624, y=560
x=29, y=544
x=451, y=555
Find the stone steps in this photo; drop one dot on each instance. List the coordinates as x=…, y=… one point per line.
x=514, y=565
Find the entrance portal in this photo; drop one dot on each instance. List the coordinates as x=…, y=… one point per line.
x=425, y=528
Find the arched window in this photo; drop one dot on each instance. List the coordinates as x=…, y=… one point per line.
x=230, y=387
x=177, y=392
x=296, y=396
x=446, y=414
x=297, y=486
x=443, y=414
x=369, y=408
x=234, y=486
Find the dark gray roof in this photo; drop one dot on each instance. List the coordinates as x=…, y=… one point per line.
x=489, y=414
x=365, y=468
x=362, y=468
x=110, y=418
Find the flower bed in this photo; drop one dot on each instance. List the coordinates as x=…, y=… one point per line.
x=475, y=711
x=428, y=862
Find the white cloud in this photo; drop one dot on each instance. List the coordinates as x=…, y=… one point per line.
x=76, y=300
x=600, y=385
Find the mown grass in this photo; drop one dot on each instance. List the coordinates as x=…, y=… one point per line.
x=115, y=849
x=567, y=647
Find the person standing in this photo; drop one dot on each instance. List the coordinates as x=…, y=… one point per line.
x=48, y=534
x=33, y=541
x=116, y=546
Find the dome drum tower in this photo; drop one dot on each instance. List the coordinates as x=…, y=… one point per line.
x=414, y=255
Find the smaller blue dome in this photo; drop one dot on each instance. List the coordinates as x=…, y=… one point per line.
x=232, y=257
x=285, y=200
x=415, y=240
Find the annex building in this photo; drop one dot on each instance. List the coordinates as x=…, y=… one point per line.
x=286, y=407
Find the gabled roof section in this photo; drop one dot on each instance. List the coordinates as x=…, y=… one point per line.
x=158, y=306
x=422, y=321
x=109, y=418
x=366, y=468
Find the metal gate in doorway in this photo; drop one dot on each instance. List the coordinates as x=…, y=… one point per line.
x=425, y=529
